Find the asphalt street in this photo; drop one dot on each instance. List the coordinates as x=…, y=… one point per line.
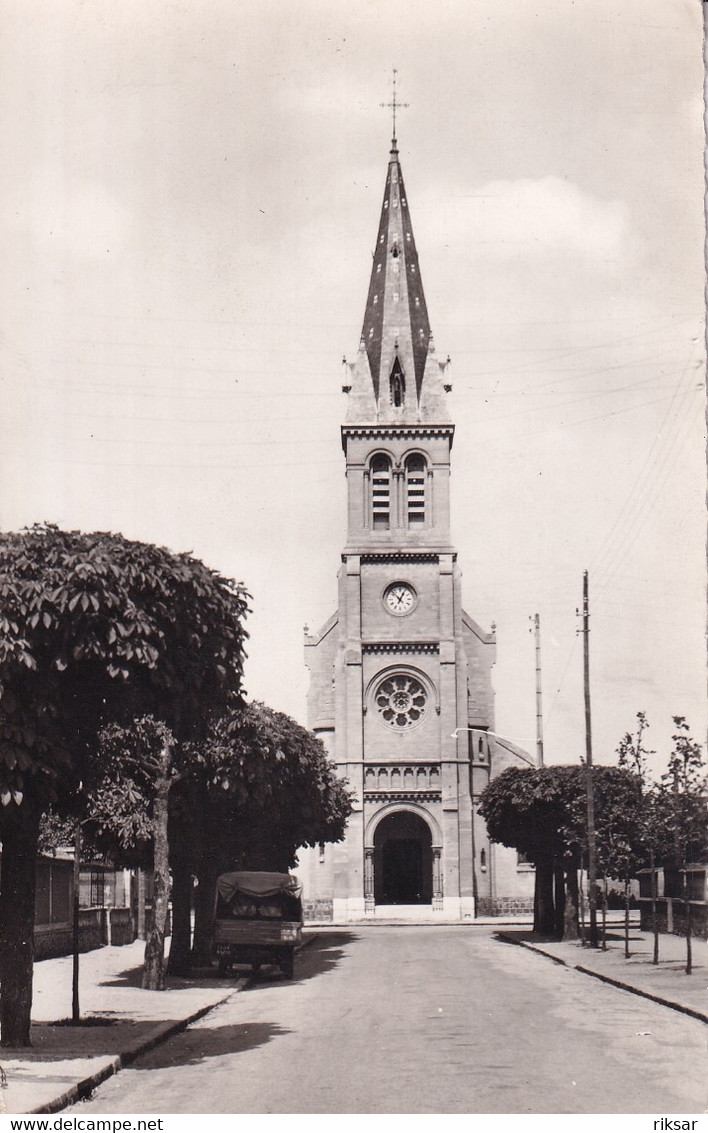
x=422, y=1020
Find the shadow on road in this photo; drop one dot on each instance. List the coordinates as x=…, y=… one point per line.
x=323, y=955
x=197, y=1044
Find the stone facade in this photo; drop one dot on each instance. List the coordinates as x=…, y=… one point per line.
x=400, y=675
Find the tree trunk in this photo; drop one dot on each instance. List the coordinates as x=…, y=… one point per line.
x=654, y=917
x=154, y=970
x=204, y=910
x=543, y=908
x=558, y=902
x=581, y=906
x=626, y=918
x=141, y=905
x=687, y=915
x=17, y=893
x=179, y=963
x=570, y=918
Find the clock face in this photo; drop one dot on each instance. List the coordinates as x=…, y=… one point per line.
x=400, y=598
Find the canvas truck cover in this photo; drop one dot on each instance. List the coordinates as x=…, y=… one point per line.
x=252, y=884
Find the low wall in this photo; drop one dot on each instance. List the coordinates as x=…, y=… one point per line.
x=671, y=916
x=320, y=909
x=96, y=928
x=57, y=939
x=504, y=906
x=118, y=927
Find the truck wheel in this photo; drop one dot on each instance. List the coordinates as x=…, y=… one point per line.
x=287, y=966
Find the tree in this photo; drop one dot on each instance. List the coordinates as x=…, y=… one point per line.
x=618, y=831
x=541, y=812
x=130, y=806
x=257, y=789
x=527, y=809
x=632, y=756
x=94, y=628
x=682, y=803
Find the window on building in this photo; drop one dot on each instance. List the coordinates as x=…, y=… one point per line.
x=321, y=849
x=98, y=887
x=397, y=384
x=483, y=859
x=401, y=701
x=381, y=492
x=415, y=489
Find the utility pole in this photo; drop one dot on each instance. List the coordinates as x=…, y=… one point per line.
x=589, y=794
x=539, y=711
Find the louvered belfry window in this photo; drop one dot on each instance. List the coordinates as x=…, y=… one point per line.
x=415, y=489
x=381, y=492
x=398, y=385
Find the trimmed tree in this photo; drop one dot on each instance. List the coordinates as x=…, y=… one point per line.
x=541, y=813
x=528, y=809
x=260, y=787
x=94, y=628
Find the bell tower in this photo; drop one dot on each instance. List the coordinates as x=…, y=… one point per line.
x=400, y=688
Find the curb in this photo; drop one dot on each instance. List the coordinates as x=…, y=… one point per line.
x=695, y=1014
x=160, y=1034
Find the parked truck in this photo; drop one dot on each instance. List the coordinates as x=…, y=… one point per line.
x=258, y=920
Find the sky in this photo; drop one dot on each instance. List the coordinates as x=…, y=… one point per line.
x=190, y=198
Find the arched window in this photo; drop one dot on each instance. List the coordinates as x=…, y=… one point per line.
x=415, y=489
x=397, y=384
x=381, y=492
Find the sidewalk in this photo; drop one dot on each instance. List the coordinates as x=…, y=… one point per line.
x=123, y=1021
x=665, y=983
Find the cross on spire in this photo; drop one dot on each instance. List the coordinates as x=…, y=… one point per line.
x=393, y=106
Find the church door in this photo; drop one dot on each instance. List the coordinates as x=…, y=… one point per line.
x=403, y=861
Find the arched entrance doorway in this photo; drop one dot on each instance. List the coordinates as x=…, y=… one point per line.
x=403, y=860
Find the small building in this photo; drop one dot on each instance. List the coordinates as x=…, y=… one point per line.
x=104, y=906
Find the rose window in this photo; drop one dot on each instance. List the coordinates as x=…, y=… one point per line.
x=400, y=701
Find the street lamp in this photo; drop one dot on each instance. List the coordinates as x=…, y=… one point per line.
x=475, y=894
x=489, y=732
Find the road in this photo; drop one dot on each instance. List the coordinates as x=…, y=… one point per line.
x=422, y=1020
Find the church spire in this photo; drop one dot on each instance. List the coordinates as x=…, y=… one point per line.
x=396, y=353
x=396, y=324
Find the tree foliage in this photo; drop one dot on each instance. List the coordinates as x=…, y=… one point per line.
x=94, y=628
x=269, y=787
x=94, y=625
x=683, y=800
x=259, y=787
x=541, y=812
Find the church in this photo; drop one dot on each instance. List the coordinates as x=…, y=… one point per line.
x=400, y=675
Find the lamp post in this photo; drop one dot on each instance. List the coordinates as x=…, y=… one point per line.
x=470, y=761
x=486, y=732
